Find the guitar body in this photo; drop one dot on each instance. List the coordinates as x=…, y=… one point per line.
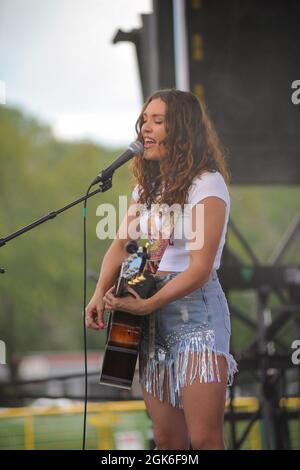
x=124, y=335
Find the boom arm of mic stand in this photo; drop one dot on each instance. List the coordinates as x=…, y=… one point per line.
x=105, y=185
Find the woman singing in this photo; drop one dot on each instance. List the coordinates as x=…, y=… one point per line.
x=184, y=362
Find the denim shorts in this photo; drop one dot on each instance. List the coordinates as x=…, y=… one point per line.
x=199, y=323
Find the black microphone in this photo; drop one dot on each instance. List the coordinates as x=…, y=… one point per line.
x=132, y=247
x=135, y=148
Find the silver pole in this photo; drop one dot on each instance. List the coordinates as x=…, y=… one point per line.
x=180, y=46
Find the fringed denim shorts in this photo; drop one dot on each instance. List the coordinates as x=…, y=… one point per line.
x=199, y=323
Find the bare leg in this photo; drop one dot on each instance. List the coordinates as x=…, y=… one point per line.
x=203, y=405
x=169, y=426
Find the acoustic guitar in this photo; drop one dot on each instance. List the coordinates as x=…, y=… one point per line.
x=124, y=329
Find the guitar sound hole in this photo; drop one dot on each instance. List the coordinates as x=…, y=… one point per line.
x=122, y=335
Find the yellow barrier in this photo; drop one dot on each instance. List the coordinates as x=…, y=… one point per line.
x=249, y=404
x=104, y=417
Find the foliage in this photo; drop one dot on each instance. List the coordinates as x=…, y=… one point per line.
x=41, y=292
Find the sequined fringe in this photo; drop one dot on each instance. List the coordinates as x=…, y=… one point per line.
x=181, y=368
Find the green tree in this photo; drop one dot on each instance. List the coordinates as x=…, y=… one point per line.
x=42, y=290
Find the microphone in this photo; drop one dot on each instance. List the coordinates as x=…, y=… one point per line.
x=135, y=148
x=132, y=247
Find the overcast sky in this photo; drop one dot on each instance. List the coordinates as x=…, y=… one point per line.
x=59, y=64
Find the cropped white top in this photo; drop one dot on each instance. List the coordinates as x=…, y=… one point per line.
x=176, y=257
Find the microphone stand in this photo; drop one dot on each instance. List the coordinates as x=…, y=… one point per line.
x=106, y=183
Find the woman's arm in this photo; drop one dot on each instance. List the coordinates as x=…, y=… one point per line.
x=109, y=271
x=117, y=253
x=201, y=259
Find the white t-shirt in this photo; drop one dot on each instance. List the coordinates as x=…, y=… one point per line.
x=176, y=257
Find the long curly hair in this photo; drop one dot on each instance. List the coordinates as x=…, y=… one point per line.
x=192, y=147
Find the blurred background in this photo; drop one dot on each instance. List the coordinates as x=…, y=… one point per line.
x=73, y=77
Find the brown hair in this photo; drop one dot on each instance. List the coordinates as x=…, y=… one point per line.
x=193, y=147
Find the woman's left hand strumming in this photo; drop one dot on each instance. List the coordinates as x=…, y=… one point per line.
x=131, y=303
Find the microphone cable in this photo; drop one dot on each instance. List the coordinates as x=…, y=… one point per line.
x=84, y=317
x=104, y=178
